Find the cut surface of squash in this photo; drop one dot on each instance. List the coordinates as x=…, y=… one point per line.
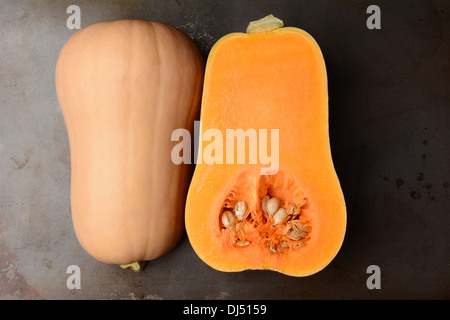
x=237, y=218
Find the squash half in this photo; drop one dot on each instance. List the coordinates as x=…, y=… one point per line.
x=271, y=78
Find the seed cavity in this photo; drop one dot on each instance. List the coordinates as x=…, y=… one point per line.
x=273, y=223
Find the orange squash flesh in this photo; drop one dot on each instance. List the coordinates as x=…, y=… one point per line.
x=274, y=79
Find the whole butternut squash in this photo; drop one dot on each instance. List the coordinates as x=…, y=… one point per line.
x=239, y=216
x=123, y=87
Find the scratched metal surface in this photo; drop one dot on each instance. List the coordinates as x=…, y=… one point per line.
x=389, y=127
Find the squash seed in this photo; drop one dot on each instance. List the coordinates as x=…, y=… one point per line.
x=242, y=243
x=304, y=202
x=228, y=219
x=279, y=216
x=240, y=209
x=284, y=244
x=264, y=203
x=273, y=204
x=291, y=209
x=296, y=231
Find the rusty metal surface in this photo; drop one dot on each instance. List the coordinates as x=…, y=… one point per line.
x=389, y=127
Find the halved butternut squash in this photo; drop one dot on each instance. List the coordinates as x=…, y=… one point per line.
x=291, y=220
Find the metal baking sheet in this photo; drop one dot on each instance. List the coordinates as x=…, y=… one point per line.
x=389, y=129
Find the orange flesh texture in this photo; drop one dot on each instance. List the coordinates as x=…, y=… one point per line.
x=270, y=80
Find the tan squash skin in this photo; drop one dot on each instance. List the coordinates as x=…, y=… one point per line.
x=123, y=87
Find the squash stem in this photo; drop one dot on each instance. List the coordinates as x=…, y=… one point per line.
x=268, y=23
x=137, y=266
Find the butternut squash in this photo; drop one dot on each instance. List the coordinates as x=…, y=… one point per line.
x=123, y=87
x=291, y=220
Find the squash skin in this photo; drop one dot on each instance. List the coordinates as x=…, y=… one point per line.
x=244, y=101
x=123, y=87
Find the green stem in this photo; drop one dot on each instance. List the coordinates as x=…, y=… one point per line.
x=268, y=23
x=137, y=266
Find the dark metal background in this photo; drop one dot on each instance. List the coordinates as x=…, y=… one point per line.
x=389, y=127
